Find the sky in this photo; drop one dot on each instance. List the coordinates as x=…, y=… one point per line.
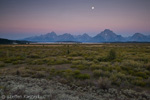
x=24, y=18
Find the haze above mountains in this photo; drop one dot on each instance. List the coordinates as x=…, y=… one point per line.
x=105, y=36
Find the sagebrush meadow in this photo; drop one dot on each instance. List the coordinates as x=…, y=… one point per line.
x=119, y=66
x=122, y=65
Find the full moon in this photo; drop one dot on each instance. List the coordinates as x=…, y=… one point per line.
x=92, y=8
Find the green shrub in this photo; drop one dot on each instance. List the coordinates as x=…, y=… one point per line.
x=73, y=66
x=54, y=61
x=94, y=67
x=102, y=59
x=82, y=76
x=148, y=82
x=145, y=60
x=89, y=58
x=130, y=78
x=141, y=74
x=139, y=83
x=117, y=68
x=75, y=54
x=8, y=61
x=105, y=68
x=67, y=73
x=17, y=72
x=2, y=65
x=17, y=62
x=53, y=71
x=147, y=66
x=24, y=72
x=131, y=64
x=101, y=73
x=105, y=74
x=77, y=62
x=76, y=72
x=87, y=63
x=68, y=51
x=114, y=79
x=14, y=60
x=117, y=79
x=97, y=73
x=78, y=75
x=60, y=73
x=121, y=76
x=70, y=58
x=51, y=62
x=111, y=55
x=20, y=58
x=127, y=68
x=81, y=67
x=118, y=60
x=34, y=56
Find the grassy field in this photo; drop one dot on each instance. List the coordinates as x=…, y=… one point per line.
x=104, y=66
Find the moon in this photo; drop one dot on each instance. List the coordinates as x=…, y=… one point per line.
x=92, y=8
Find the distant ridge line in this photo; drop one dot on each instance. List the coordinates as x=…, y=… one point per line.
x=105, y=36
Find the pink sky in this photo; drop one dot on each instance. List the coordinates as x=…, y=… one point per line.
x=125, y=17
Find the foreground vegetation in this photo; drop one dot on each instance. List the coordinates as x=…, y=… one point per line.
x=105, y=66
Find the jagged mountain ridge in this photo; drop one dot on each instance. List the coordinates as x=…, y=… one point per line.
x=65, y=37
x=105, y=36
x=139, y=36
x=83, y=38
x=49, y=37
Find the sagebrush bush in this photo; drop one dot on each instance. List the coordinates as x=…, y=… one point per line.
x=18, y=72
x=131, y=64
x=34, y=56
x=76, y=62
x=104, y=83
x=17, y=62
x=141, y=83
x=95, y=67
x=147, y=66
x=39, y=75
x=78, y=75
x=112, y=55
x=97, y=73
x=121, y=76
x=140, y=74
x=82, y=76
x=82, y=67
x=76, y=72
x=2, y=65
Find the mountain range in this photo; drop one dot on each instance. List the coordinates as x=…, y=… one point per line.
x=104, y=36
